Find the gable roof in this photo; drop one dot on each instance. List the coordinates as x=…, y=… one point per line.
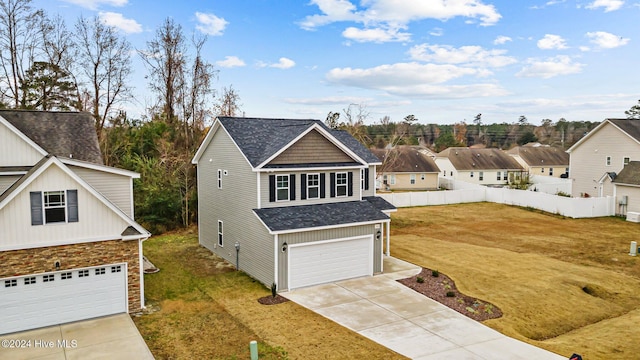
x=63, y=134
x=541, y=155
x=463, y=158
x=405, y=158
x=630, y=174
x=630, y=127
x=261, y=139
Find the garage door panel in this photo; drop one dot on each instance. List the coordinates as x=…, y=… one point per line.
x=40, y=304
x=312, y=264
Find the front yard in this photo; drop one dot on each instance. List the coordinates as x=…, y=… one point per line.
x=566, y=285
x=203, y=309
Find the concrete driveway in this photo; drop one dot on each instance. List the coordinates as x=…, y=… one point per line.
x=109, y=337
x=408, y=323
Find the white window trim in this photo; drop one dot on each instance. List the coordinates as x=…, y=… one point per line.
x=498, y=175
x=480, y=175
x=412, y=179
x=45, y=207
x=312, y=186
x=282, y=188
x=220, y=240
x=346, y=184
x=393, y=179
x=361, y=179
x=550, y=171
x=626, y=160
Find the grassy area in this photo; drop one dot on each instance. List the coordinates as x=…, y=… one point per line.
x=567, y=285
x=207, y=310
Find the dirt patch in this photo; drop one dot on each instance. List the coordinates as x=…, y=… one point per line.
x=272, y=300
x=443, y=290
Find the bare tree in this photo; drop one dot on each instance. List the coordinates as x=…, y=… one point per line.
x=105, y=63
x=19, y=44
x=228, y=103
x=355, y=119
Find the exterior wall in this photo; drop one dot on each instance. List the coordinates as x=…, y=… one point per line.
x=116, y=188
x=587, y=162
x=312, y=148
x=232, y=204
x=544, y=171
x=40, y=260
x=489, y=177
x=264, y=189
x=6, y=181
x=633, y=199
x=14, y=151
x=372, y=182
x=446, y=168
x=320, y=235
x=96, y=220
x=403, y=181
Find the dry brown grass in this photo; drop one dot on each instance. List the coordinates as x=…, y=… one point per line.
x=563, y=284
x=209, y=311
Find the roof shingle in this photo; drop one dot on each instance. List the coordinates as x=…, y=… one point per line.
x=464, y=158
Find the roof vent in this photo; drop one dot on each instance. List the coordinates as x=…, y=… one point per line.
x=478, y=155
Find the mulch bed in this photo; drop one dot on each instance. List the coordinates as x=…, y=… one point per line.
x=437, y=287
x=270, y=300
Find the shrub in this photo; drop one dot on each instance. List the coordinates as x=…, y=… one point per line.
x=451, y=294
x=420, y=279
x=435, y=273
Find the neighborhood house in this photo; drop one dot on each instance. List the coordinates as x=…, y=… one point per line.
x=406, y=167
x=478, y=166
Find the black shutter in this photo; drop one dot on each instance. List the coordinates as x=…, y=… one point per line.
x=350, y=183
x=366, y=179
x=332, y=184
x=272, y=188
x=323, y=192
x=36, y=208
x=72, y=205
x=303, y=186
x=292, y=187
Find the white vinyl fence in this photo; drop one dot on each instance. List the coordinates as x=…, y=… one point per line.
x=466, y=193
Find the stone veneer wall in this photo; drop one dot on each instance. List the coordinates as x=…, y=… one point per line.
x=41, y=260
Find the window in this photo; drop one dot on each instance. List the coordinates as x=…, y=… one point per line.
x=625, y=161
x=384, y=179
x=444, y=173
x=65, y=276
x=100, y=271
x=498, y=176
x=542, y=170
x=282, y=187
x=608, y=160
x=116, y=269
x=30, y=280
x=220, y=233
x=550, y=171
x=48, y=278
x=422, y=177
x=54, y=207
x=393, y=179
x=480, y=175
x=471, y=174
x=219, y=178
x=313, y=186
x=361, y=179
x=412, y=179
x=341, y=184
x=83, y=273
x=10, y=283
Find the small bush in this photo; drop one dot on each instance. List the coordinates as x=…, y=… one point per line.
x=435, y=273
x=451, y=294
x=420, y=279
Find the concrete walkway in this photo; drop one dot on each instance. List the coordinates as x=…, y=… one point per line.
x=109, y=337
x=409, y=323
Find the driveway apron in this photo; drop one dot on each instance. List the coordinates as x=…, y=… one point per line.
x=409, y=323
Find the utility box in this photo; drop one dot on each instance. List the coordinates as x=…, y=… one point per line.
x=633, y=216
x=634, y=249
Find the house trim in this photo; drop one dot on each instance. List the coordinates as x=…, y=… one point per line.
x=93, y=166
x=22, y=136
x=326, y=227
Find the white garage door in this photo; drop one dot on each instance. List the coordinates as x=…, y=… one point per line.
x=39, y=300
x=328, y=261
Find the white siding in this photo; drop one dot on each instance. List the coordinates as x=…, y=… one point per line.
x=6, y=181
x=96, y=220
x=116, y=188
x=587, y=162
x=633, y=199
x=14, y=151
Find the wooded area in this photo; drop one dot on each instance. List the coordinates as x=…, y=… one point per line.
x=49, y=65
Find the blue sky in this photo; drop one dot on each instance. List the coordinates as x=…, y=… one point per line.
x=443, y=61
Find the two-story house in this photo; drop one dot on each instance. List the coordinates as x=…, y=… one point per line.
x=595, y=159
x=69, y=247
x=406, y=167
x=542, y=160
x=479, y=166
x=290, y=202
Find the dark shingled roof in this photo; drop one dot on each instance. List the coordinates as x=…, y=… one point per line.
x=630, y=126
x=541, y=155
x=63, y=134
x=130, y=231
x=405, y=159
x=630, y=174
x=260, y=138
x=312, y=216
x=464, y=158
x=379, y=203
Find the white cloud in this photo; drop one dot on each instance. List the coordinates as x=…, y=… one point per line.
x=94, y=4
x=551, y=67
x=608, y=5
x=550, y=42
x=231, y=62
x=436, y=32
x=605, y=40
x=470, y=55
x=210, y=24
x=284, y=63
x=501, y=40
x=118, y=21
x=393, y=15
x=378, y=35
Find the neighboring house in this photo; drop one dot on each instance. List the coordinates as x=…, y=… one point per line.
x=406, y=167
x=627, y=189
x=291, y=202
x=479, y=166
x=542, y=160
x=69, y=247
x=603, y=151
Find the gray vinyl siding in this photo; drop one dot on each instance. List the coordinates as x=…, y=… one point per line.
x=232, y=204
x=6, y=181
x=116, y=188
x=264, y=189
x=320, y=235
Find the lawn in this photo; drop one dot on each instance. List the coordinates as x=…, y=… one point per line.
x=201, y=308
x=566, y=285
